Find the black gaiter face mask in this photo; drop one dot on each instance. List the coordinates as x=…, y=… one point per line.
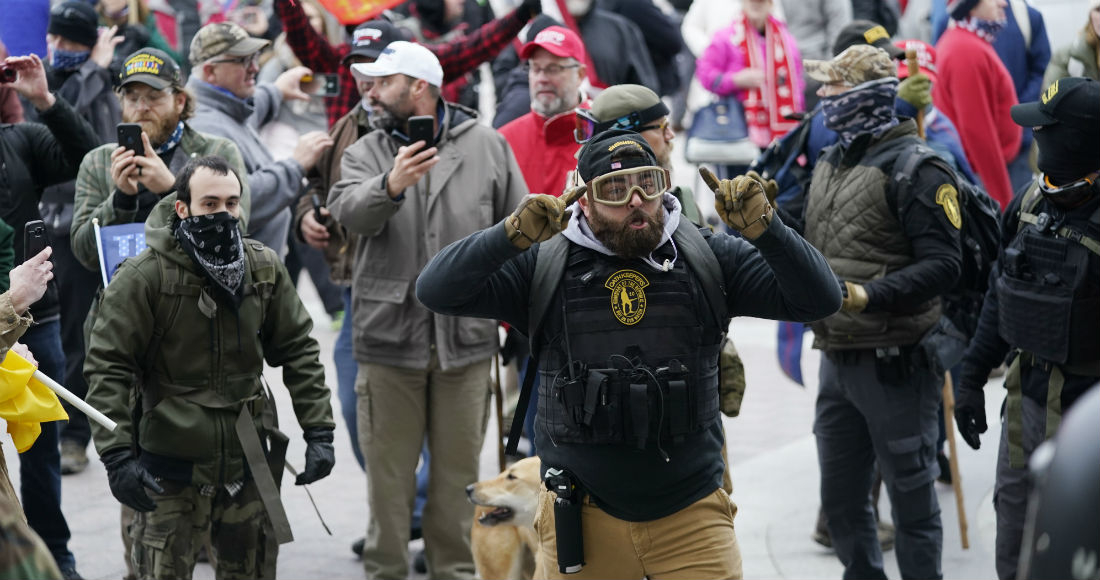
x=213, y=242
x=1067, y=153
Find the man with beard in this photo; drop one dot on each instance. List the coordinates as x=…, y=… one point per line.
x=543, y=139
x=195, y=317
x=419, y=373
x=637, y=108
x=117, y=186
x=225, y=61
x=1042, y=307
x=895, y=251
x=626, y=311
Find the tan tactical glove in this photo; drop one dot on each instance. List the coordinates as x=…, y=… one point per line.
x=742, y=202
x=539, y=217
x=855, y=297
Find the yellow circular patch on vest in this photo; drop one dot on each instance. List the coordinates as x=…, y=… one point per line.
x=948, y=197
x=627, y=296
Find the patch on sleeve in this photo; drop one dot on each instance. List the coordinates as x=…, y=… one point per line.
x=627, y=296
x=948, y=197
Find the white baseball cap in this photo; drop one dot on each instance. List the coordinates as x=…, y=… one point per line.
x=407, y=58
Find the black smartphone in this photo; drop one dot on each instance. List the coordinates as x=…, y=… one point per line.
x=317, y=205
x=34, y=239
x=422, y=128
x=129, y=136
x=321, y=85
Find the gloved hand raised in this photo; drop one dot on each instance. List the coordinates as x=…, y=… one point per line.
x=742, y=202
x=320, y=455
x=970, y=414
x=128, y=480
x=540, y=216
x=916, y=90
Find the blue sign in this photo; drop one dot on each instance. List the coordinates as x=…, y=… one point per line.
x=117, y=243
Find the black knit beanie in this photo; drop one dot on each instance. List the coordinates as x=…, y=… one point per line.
x=960, y=9
x=74, y=20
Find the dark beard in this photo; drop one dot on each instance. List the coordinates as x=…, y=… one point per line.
x=387, y=118
x=624, y=241
x=162, y=131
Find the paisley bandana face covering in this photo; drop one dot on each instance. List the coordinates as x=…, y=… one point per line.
x=868, y=108
x=213, y=241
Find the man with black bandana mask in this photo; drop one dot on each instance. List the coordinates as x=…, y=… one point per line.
x=1043, y=302
x=894, y=252
x=195, y=317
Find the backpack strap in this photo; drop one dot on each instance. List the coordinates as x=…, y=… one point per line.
x=1027, y=216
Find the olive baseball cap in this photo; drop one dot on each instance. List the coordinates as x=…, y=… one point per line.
x=223, y=38
x=627, y=107
x=152, y=67
x=856, y=65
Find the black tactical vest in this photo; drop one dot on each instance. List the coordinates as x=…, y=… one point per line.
x=630, y=355
x=1049, y=289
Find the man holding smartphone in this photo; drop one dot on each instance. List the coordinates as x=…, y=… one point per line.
x=36, y=156
x=117, y=185
x=225, y=62
x=419, y=373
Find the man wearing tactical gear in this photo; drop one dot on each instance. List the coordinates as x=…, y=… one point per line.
x=628, y=309
x=895, y=253
x=1043, y=302
x=194, y=318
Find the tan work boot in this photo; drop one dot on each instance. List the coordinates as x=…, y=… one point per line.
x=74, y=457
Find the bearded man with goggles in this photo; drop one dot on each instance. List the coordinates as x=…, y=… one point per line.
x=627, y=310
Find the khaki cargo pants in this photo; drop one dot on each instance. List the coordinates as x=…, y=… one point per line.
x=166, y=539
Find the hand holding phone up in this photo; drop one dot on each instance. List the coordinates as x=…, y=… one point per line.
x=415, y=159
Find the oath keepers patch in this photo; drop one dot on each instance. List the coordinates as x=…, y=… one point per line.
x=627, y=296
x=948, y=197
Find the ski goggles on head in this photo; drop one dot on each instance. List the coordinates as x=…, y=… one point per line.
x=587, y=126
x=618, y=187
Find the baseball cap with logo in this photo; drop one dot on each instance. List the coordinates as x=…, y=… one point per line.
x=856, y=65
x=865, y=32
x=613, y=150
x=926, y=58
x=223, y=38
x=558, y=41
x=371, y=37
x=407, y=58
x=1073, y=101
x=152, y=67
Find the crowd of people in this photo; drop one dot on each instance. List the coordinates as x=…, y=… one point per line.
x=437, y=210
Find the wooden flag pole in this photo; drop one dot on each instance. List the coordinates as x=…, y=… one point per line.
x=956, y=477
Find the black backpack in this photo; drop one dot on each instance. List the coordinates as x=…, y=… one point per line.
x=980, y=237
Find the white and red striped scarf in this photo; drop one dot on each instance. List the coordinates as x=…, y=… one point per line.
x=766, y=106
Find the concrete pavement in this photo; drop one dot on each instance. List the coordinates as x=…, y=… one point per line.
x=772, y=454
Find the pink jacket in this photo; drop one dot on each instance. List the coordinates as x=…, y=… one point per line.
x=724, y=57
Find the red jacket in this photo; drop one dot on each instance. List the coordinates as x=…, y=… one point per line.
x=975, y=91
x=544, y=148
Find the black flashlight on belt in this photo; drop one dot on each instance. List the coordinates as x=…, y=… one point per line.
x=567, y=519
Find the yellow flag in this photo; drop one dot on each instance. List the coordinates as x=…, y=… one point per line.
x=25, y=402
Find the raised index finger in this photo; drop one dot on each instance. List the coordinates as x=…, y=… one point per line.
x=709, y=178
x=573, y=194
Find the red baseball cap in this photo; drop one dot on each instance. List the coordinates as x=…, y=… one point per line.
x=926, y=58
x=558, y=41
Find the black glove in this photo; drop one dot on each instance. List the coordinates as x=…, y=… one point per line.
x=320, y=455
x=128, y=480
x=970, y=414
x=533, y=7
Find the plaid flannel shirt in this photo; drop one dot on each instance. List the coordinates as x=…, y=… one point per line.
x=457, y=57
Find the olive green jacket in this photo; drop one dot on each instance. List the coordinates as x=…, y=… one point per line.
x=96, y=192
x=160, y=334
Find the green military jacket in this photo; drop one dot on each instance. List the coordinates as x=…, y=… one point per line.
x=161, y=338
x=96, y=191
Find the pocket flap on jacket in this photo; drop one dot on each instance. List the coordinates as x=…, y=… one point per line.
x=384, y=289
x=904, y=445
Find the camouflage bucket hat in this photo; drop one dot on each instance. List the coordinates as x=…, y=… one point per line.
x=223, y=38
x=856, y=65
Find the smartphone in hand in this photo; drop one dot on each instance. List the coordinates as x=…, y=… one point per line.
x=422, y=128
x=317, y=205
x=129, y=136
x=34, y=239
x=321, y=85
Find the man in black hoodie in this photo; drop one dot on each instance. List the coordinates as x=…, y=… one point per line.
x=35, y=156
